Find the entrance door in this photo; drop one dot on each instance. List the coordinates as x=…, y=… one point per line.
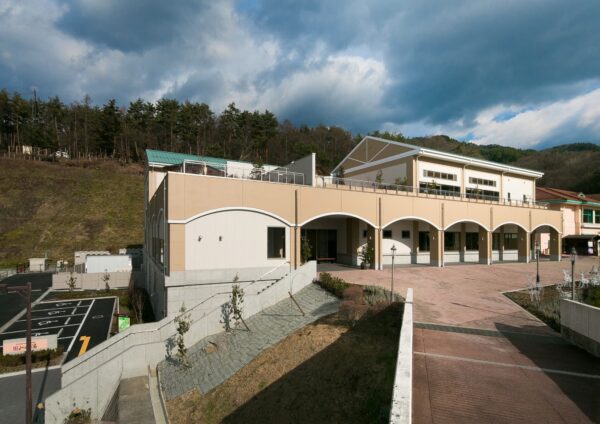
x=323, y=244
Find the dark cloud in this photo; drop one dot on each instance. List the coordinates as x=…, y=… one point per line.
x=130, y=25
x=430, y=66
x=448, y=60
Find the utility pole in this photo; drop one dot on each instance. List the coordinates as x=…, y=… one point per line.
x=25, y=292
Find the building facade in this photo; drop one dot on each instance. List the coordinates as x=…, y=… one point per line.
x=581, y=219
x=209, y=221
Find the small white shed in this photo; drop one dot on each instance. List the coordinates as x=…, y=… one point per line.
x=108, y=263
x=38, y=264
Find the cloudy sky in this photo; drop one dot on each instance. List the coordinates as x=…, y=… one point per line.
x=513, y=72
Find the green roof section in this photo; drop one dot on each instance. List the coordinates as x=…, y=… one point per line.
x=159, y=157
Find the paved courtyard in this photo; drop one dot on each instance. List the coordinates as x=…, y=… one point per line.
x=478, y=357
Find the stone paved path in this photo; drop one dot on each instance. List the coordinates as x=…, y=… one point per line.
x=479, y=357
x=216, y=358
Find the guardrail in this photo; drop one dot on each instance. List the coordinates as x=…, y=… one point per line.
x=580, y=324
x=277, y=175
x=363, y=185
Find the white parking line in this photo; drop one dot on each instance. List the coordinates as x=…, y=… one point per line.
x=53, y=317
x=79, y=329
x=45, y=328
x=54, y=309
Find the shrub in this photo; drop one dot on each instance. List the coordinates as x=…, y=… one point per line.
x=374, y=295
x=37, y=356
x=352, y=311
x=591, y=295
x=79, y=416
x=71, y=281
x=334, y=285
x=236, y=300
x=354, y=293
x=183, y=322
x=305, y=250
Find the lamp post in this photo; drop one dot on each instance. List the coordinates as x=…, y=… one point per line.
x=393, y=249
x=25, y=291
x=537, y=258
x=573, y=257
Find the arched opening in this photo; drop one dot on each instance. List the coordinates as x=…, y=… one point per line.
x=339, y=238
x=467, y=242
x=414, y=239
x=509, y=243
x=546, y=240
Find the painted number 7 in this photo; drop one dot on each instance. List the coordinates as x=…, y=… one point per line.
x=85, y=341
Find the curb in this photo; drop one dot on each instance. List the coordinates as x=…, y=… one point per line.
x=34, y=370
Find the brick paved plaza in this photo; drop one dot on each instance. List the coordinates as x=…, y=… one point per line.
x=478, y=357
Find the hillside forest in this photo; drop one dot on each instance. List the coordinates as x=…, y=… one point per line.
x=84, y=129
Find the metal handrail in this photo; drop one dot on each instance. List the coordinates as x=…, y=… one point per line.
x=171, y=320
x=277, y=175
x=364, y=185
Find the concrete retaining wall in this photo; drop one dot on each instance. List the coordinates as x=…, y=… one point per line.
x=580, y=324
x=94, y=281
x=90, y=380
x=402, y=397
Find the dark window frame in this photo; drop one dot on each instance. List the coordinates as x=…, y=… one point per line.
x=273, y=250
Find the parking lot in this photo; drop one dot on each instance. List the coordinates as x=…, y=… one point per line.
x=11, y=303
x=79, y=324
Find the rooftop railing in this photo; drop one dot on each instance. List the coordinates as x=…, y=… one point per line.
x=373, y=186
x=277, y=175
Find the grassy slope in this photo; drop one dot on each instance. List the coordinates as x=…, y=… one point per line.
x=60, y=208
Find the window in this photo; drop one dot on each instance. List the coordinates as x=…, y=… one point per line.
x=387, y=234
x=406, y=233
x=472, y=241
x=439, y=175
x=475, y=193
x=423, y=241
x=275, y=242
x=588, y=216
x=482, y=181
x=364, y=233
x=496, y=241
x=441, y=189
x=511, y=241
x=597, y=216
x=451, y=241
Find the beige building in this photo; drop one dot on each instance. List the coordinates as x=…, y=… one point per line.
x=209, y=220
x=581, y=219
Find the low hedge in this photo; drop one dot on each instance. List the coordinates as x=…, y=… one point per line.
x=334, y=285
x=37, y=356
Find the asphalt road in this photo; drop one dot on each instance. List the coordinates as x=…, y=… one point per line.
x=12, y=403
x=13, y=303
